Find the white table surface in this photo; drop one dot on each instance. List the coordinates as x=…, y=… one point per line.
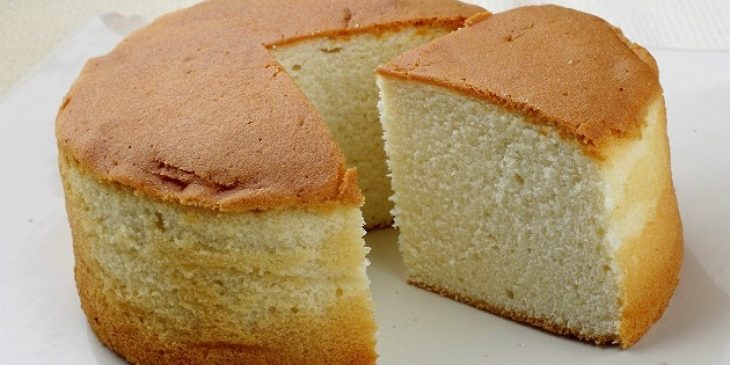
x=41, y=322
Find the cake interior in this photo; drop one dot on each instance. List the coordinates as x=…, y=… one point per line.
x=337, y=74
x=508, y=215
x=280, y=284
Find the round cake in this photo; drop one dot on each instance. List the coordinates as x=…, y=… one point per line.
x=214, y=216
x=216, y=162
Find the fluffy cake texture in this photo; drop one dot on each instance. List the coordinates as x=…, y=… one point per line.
x=213, y=214
x=530, y=165
x=167, y=284
x=337, y=75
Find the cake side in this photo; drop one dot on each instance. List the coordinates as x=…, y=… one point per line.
x=652, y=264
x=336, y=74
x=165, y=283
x=560, y=67
x=645, y=227
x=194, y=109
x=122, y=328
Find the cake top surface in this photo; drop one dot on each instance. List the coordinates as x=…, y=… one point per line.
x=193, y=108
x=559, y=66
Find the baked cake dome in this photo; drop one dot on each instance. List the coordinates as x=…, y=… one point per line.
x=531, y=171
x=214, y=217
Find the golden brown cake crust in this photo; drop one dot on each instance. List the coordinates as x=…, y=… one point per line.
x=651, y=263
x=649, y=286
x=559, y=66
x=194, y=109
x=599, y=339
x=652, y=260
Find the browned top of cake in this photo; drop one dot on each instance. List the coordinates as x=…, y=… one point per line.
x=559, y=66
x=194, y=109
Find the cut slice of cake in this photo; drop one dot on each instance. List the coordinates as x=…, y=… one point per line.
x=214, y=219
x=531, y=171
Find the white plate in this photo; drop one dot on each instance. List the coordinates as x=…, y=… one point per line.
x=41, y=322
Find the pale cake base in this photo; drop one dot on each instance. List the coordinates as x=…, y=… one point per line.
x=648, y=297
x=168, y=284
x=121, y=327
x=541, y=323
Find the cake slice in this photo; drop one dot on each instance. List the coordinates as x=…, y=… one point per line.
x=214, y=218
x=531, y=171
